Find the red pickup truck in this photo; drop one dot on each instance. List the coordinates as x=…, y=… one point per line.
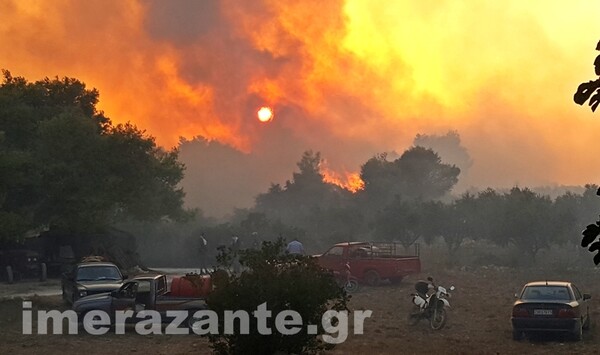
x=372, y=262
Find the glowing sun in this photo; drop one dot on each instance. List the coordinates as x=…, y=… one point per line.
x=265, y=114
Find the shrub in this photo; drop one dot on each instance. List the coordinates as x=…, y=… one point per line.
x=284, y=282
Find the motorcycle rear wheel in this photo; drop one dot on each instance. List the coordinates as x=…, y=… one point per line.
x=438, y=318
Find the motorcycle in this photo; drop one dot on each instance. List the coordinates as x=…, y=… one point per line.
x=346, y=280
x=432, y=307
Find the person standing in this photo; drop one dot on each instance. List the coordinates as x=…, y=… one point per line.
x=203, y=252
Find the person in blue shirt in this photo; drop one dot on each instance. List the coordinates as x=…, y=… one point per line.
x=295, y=247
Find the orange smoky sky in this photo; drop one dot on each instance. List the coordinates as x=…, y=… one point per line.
x=347, y=78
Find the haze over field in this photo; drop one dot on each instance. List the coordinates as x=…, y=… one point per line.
x=347, y=78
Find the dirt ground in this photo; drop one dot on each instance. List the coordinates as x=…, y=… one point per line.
x=478, y=322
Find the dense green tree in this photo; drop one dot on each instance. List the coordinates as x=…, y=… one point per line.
x=380, y=184
x=488, y=218
x=405, y=221
x=567, y=216
x=337, y=224
x=458, y=221
x=423, y=175
x=65, y=165
x=589, y=207
x=448, y=147
x=418, y=174
x=527, y=222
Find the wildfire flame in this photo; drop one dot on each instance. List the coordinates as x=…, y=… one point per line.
x=349, y=181
x=367, y=75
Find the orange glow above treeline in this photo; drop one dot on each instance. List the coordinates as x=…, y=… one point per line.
x=349, y=181
x=365, y=74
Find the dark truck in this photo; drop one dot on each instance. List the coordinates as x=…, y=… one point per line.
x=89, y=278
x=18, y=264
x=143, y=292
x=371, y=262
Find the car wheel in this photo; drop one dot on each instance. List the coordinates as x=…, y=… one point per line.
x=372, y=278
x=517, y=335
x=578, y=334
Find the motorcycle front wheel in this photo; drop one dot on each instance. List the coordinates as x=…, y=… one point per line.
x=438, y=318
x=351, y=286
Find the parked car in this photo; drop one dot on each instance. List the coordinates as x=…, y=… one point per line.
x=371, y=262
x=18, y=264
x=147, y=292
x=89, y=278
x=550, y=306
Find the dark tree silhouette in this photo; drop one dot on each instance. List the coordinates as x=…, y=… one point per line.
x=590, y=237
x=65, y=166
x=587, y=89
x=584, y=92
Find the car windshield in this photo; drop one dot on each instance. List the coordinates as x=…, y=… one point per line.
x=93, y=273
x=546, y=293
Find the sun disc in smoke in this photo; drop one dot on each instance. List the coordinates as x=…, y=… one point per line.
x=265, y=114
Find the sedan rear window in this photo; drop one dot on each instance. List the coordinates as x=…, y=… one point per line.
x=546, y=293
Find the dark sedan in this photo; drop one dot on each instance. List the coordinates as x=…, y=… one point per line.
x=550, y=306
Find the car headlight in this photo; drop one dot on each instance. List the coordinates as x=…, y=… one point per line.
x=82, y=293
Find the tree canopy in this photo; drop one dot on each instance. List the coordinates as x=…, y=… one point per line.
x=304, y=196
x=63, y=164
x=418, y=174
